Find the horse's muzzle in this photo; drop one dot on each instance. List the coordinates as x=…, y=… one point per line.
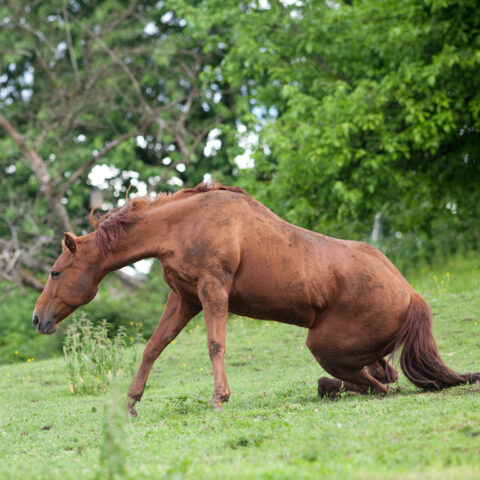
x=45, y=327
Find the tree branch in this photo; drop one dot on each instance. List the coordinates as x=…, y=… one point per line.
x=70, y=44
x=38, y=166
x=329, y=70
x=121, y=64
x=107, y=148
x=29, y=280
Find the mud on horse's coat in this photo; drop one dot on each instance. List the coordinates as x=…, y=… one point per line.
x=222, y=251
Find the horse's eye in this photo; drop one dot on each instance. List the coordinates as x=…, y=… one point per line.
x=55, y=274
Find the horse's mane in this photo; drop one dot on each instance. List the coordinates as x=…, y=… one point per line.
x=109, y=226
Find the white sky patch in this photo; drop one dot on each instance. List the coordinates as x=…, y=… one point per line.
x=140, y=186
x=175, y=181
x=151, y=29
x=213, y=144
x=166, y=17
x=26, y=80
x=142, y=267
x=26, y=94
x=100, y=173
x=141, y=141
x=4, y=92
x=59, y=52
x=247, y=142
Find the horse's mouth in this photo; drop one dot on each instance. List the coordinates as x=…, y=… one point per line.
x=47, y=329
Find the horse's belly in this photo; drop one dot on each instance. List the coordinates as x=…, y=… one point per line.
x=281, y=309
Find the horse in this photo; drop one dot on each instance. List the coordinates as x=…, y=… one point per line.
x=223, y=251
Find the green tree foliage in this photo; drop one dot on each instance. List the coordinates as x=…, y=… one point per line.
x=363, y=107
x=83, y=83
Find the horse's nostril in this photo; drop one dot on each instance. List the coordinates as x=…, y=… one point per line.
x=35, y=320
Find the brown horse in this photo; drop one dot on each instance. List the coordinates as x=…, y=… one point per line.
x=222, y=251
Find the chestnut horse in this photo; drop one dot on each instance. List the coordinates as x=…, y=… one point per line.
x=222, y=251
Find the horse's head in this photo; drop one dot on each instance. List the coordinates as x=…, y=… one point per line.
x=73, y=282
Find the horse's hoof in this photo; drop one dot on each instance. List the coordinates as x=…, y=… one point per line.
x=131, y=410
x=219, y=399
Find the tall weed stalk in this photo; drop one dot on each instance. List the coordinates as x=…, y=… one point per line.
x=114, y=448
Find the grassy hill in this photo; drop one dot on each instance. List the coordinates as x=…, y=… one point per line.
x=274, y=427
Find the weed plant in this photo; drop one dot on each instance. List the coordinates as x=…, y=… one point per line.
x=92, y=357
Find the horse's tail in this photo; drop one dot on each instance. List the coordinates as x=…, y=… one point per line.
x=420, y=360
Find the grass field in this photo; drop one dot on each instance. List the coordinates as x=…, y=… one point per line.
x=274, y=426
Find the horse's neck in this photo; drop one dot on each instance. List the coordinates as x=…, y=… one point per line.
x=139, y=242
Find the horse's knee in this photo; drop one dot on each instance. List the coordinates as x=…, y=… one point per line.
x=328, y=387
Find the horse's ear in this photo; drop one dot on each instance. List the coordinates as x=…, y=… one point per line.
x=69, y=241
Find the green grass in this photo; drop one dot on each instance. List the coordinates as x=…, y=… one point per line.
x=274, y=427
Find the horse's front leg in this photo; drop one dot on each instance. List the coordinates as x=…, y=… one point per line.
x=176, y=315
x=214, y=298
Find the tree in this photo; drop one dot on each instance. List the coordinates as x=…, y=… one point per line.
x=363, y=107
x=81, y=83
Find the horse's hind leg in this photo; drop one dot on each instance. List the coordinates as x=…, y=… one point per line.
x=347, y=369
x=383, y=371
x=359, y=381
